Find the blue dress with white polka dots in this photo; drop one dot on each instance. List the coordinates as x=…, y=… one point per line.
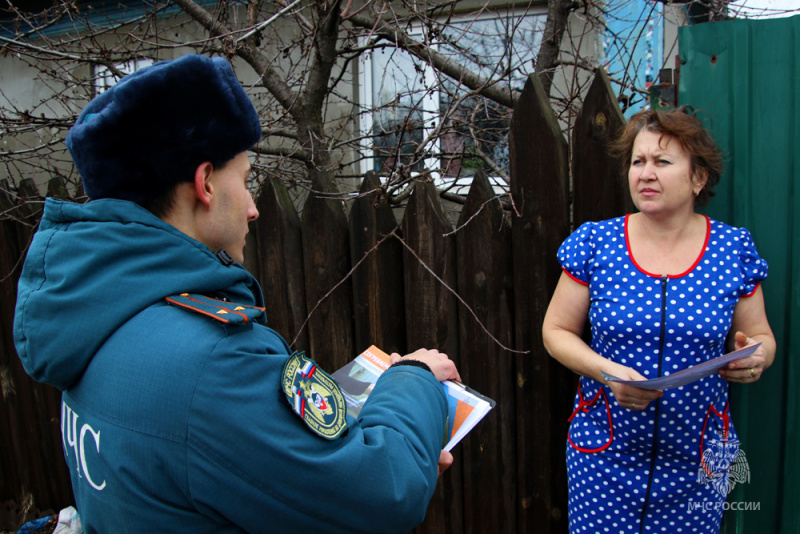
x=664, y=469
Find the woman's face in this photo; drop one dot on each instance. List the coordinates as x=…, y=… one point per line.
x=660, y=176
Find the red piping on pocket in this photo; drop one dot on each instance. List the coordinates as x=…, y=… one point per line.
x=583, y=406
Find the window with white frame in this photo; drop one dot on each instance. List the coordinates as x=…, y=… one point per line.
x=426, y=121
x=105, y=79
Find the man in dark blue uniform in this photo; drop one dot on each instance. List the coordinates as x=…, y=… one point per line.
x=181, y=410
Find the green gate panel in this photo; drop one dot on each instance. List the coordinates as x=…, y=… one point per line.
x=743, y=79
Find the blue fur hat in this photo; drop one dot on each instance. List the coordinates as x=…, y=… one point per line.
x=152, y=129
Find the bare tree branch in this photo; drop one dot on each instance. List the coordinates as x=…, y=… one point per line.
x=557, y=15
x=488, y=88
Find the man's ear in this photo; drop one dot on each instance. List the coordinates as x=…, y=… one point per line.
x=202, y=183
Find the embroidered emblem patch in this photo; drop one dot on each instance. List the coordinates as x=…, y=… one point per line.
x=314, y=396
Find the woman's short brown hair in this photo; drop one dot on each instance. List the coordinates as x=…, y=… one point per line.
x=681, y=125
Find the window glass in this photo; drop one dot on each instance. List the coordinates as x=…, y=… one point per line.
x=105, y=79
x=399, y=95
x=425, y=120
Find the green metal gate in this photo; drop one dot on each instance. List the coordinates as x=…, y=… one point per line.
x=743, y=78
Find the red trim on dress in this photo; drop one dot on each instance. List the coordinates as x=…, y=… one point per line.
x=583, y=406
x=581, y=282
x=690, y=269
x=753, y=292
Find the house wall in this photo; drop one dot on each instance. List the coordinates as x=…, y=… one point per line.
x=22, y=90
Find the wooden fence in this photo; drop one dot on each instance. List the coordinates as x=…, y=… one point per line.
x=335, y=284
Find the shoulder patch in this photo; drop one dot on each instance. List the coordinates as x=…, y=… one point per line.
x=220, y=310
x=314, y=396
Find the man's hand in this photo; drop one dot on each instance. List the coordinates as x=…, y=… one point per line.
x=445, y=461
x=440, y=365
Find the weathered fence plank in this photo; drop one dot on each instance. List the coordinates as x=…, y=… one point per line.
x=432, y=319
x=57, y=189
x=539, y=159
x=487, y=454
x=329, y=289
x=430, y=276
x=378, y=297
x=275, y=258
x=599, y=190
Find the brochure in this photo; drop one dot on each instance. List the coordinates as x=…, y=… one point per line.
x=689, y=375
x=466, y=407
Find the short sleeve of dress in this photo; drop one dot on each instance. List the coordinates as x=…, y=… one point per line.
x=576, y=253
x=754, y=267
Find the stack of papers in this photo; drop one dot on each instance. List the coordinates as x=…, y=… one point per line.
x=687, y=376
x=466, y=407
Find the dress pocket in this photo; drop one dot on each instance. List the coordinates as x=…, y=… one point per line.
x=591, y=429
x=720, y=457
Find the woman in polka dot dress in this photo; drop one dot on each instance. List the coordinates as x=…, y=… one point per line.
x=662, y=289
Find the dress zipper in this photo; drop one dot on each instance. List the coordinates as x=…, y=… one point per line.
x=654, y=453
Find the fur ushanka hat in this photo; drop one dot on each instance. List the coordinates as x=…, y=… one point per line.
x=152, y=129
